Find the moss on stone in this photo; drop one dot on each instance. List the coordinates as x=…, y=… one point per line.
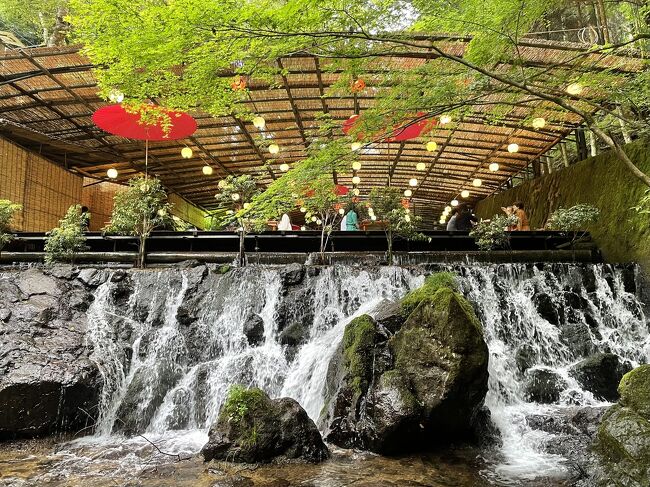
x=358, y=343
x=224, y=269
x=432, y=283
x=602, y=181
x=634, y=389
x=241, y=403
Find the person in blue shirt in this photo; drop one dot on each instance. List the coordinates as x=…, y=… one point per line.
x=352, y=220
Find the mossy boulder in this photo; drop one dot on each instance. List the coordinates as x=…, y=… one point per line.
x=600, y=373
x=412, y=389
x=623, y=439
x=252, y=428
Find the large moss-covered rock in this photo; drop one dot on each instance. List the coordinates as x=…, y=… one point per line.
x=623, y=440
x=252, y=428
x=421, y=386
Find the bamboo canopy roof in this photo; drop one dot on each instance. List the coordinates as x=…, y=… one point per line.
x=48, y=94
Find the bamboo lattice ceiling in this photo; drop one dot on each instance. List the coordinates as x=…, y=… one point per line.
x=47, y=96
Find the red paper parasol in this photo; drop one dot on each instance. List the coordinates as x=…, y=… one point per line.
x=116, y=120
x=400, y=133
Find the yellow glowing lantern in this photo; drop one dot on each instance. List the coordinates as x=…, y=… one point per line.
x=284, y=167
x=574, y=89
x=207, y=170
x=431, y=146
x=259, y=122
x=235, y=196
x=274, y=148
x=445, y=119
x=494, y=167
x=413, y=182
x=512, y=148
x=356, y=180
x=356, y=165
x=477, y=182
x=464, y=193
x=356, y=192
x=420, y=166
x=112, y=173
x=408, y=193
x=355, y=146
x=454, y=202
x=539, y=123
x=186, y=152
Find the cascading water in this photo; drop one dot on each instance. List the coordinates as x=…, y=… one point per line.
x=166, y=375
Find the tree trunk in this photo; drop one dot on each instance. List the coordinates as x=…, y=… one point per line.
x=390, y=247
x=322, y=245
x=621, y=154
x=59, y=31
x=242, y=247
x=142, y=252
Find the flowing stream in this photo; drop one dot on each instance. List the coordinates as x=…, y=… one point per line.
x=166, y=377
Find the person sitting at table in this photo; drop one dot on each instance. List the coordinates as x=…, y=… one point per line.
x=522, y=218
x=465, y=220
x=344, y=223
x=451, y=224
x=285, y=224
x=352, y=221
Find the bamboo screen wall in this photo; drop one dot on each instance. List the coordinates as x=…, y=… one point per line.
x=187, y=211
x=44, y=189
x=99, y=200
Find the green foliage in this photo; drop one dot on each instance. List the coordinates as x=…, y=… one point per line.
x=240, y=402
x=491, y=235
x=36, y=21
x=431, y=285
x=139, y=209
x=634, y=389
x=394, y=218
x=7, y=211
x=66, y=240
x=235, y=196
x=573, y=219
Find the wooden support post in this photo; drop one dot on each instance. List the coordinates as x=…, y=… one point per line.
x=581, y=143
x=565, y=157
x=537, y=170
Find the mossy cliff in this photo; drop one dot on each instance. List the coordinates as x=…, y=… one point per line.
x=623, y=440
x=253, y=428
x=415, y=386
x=602, y=181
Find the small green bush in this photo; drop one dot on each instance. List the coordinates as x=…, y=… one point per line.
x=493, y=234
x=7, y=211
x=573, y=219
x=240, y=402
x=66, y=240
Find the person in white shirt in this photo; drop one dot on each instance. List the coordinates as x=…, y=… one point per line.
x=344, y=223
x=285, y=224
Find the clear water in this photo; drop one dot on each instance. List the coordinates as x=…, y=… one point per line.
x=180, y=374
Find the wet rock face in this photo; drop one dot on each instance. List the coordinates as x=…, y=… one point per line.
x=599, y=374
x=623, y=440
x=254, y=329
x=424, y=384
x=544, y=386
x=252, y=428
x=47, y=381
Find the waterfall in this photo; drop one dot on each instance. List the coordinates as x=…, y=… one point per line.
x=169, y=343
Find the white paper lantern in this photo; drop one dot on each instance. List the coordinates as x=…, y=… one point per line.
x=539, y=123
x=408, y=193
x=464, y=193
x=477, y=182
x=274, y=148
x=420, y=166
x=413, y=182
x=186, y=152
x=356, y=192
x=445, y=119
x=512, y=148
x=574, y=89
x=355, y=146
x=431, y=146
x=112, y=173
x=284, y=167
x=207, y=170
x=235, y=196
x=303, y=209
x=259, y=122
x=494, y=167
x=341, y=211
x=356, y=165
x=356, y=180
x=454, y=202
